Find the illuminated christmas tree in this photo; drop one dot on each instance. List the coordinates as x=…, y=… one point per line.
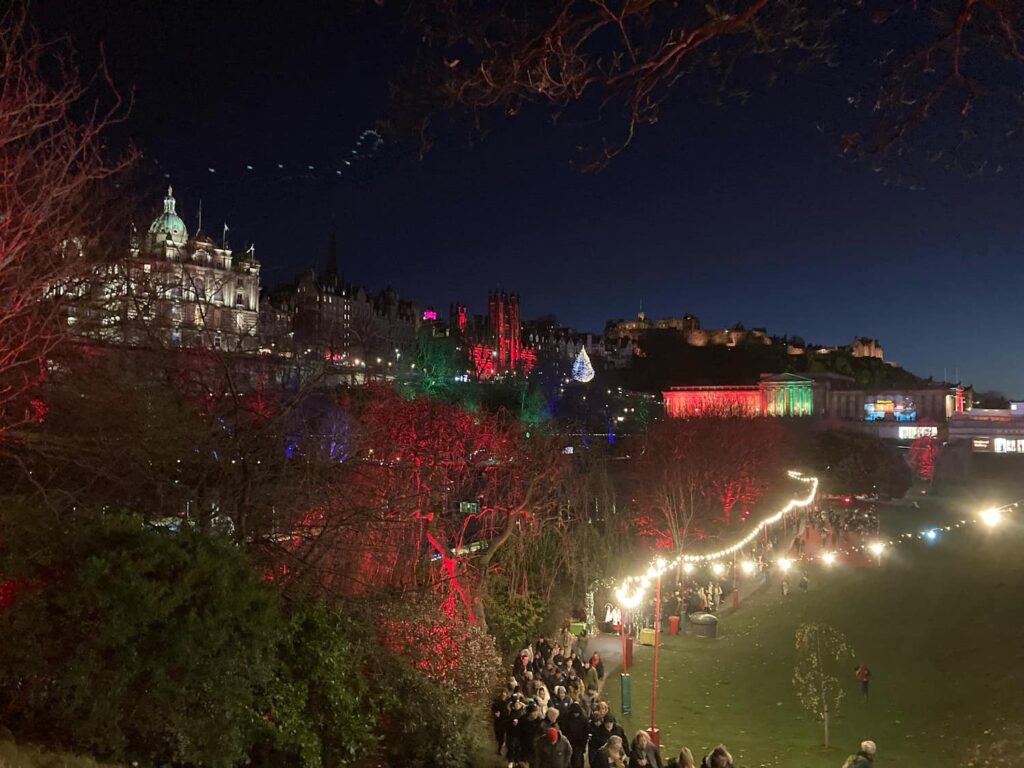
x=582, y=370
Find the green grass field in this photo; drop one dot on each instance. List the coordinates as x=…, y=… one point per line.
x=940, y=625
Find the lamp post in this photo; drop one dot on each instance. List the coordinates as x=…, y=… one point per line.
x=624, y=697
x=653, y=731
x=735, y=585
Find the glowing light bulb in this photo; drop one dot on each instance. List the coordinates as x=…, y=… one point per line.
x=876, y=548
x=991, y=517
x=688, y=568
x=785, y=564
x=828, y=558
x=718, y=569
x=748, y=566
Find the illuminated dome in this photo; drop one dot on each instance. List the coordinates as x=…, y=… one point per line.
x=168, y=225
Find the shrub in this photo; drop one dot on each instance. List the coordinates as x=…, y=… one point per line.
x=320, y=708
x=131, y=643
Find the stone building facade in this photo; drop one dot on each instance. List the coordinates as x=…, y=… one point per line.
x=173, y=290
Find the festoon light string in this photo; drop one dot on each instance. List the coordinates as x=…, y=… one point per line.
x=631, y=591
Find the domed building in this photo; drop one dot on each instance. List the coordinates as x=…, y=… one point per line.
x=198, y=293
x=175, y=290
x=168, y=228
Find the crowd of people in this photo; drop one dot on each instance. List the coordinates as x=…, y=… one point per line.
x=836, y=526
x=552, y=715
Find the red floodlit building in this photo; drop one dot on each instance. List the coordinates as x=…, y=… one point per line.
x=495, y=344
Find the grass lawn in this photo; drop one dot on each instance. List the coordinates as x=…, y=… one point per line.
x=940, y=625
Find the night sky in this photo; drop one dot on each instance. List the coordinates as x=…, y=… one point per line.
x=737, y=214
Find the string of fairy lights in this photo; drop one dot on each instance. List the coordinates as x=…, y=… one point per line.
x=631, y=592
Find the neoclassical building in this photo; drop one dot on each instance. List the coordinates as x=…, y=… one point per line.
x=173, y=290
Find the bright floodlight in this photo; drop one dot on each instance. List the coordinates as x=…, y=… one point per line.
x=785, y=563
x=876, y=547
x=628, y=599
x=687, y=567
x=829, y=558
x=931, y=534
x=749, y=566
x=718, y=569
x=991, y=517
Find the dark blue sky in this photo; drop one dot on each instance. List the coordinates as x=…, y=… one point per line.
x=738, y=214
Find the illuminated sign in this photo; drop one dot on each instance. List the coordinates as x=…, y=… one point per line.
x=890, y=408
x=1007, y=445
x=912, y=433
x=981, y=444
x=429, y=314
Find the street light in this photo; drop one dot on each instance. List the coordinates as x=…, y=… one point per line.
x=718, y=569
x=749, y=566
x=991, y=517
x=876, y=548
x=828, y=558
x=785, y=564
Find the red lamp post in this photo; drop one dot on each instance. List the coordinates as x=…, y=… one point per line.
x=653, y=731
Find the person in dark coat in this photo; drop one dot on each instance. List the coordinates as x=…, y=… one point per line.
x=865, y=757
x=611, y=755
x=561, y=700
x=595, y=661
x=551, y=750
x=499, y=710
x=513, y=736
x=574, y=725
x=719, y=757
x=529, y=729
x=644, y=753
x=684, y=760
x=596, y=733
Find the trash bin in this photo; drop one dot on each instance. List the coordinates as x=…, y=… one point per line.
x=673, y=625
x=703, y=625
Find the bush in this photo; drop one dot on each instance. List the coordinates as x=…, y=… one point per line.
x=424, y=726
x=321, y=710
x=514, y=617
x=130, y=643
x=446, y=649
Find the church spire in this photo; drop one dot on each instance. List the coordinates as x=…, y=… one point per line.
x=332, y=255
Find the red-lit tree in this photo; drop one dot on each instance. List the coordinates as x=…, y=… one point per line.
x=52, y=164
x=694, y=476
x=427, y=497
x=924, y=452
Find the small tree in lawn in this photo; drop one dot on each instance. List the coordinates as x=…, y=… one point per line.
x=820, y=649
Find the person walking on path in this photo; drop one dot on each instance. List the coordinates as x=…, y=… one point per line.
x=643, y=752
x=864, y=676
x=611, y=755
x=551, y=750
x=685, y=759
x=719, y=757
x=864, y=758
